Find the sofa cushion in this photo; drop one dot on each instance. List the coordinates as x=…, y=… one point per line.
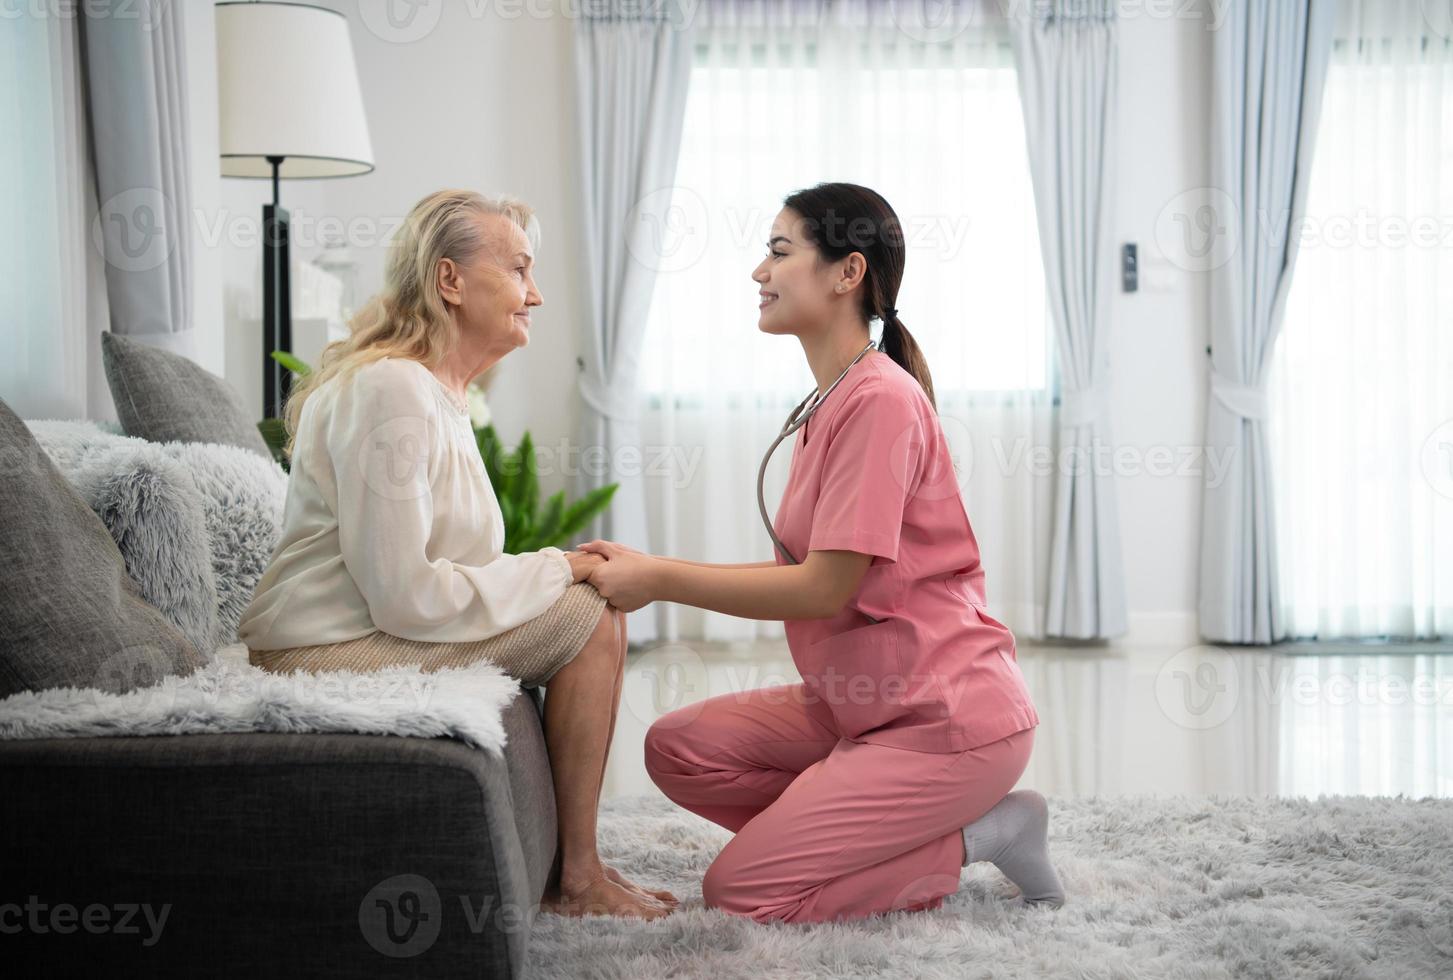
x=195, y=522
x=164, y=397
x=71, y=615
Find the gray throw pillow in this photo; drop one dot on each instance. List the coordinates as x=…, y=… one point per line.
x=71, y=616
x=163, y=397
x=155, y=513
x=196, y=522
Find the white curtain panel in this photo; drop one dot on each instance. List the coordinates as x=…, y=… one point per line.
x=1269, y=61
x=919, y=102
x=1066, y=51
x=53, y=294
x=1362, y=423
x=632, y=61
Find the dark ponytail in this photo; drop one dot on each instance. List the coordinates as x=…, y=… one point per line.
x=845, y=218
x=899, y=344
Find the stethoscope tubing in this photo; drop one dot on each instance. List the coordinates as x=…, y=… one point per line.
x=793, y=423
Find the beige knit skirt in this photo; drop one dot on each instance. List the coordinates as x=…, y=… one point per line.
x=531, y=652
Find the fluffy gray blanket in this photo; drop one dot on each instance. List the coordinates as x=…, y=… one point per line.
x=466, y=703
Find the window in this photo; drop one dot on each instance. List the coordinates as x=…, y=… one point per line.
x=937, y=130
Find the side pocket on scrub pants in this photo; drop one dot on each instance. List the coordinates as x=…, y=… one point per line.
x=858, y=674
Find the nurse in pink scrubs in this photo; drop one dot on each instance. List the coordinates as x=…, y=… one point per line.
x=869, y=785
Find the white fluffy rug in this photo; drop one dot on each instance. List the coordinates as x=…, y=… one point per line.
x=1175, y=887
x=228, y=696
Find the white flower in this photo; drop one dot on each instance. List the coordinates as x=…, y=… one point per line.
x=478, y=407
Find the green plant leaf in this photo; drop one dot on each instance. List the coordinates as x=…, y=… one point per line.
x=528, y=495
x=583, y=511
x=276, y=436
x=547, y=532
x=515, y=479
x=293, y=364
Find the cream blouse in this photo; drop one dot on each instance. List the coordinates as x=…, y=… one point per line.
x=390, y=523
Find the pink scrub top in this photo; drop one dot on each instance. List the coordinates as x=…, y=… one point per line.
x=871, y=473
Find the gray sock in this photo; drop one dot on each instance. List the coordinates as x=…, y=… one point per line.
x=1013, y=836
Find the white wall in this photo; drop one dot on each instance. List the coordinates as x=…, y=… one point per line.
x=486, y=101
x=1158, y=353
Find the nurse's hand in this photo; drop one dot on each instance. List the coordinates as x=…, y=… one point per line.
x=626, y=580
x=608, y=549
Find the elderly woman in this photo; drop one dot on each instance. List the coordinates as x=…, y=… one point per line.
x=392, y=540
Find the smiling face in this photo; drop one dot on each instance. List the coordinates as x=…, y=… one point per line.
x=798, y=292
x=491, y=294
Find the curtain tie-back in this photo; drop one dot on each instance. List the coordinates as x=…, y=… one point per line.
x=1080, y=406
x=1244, y=400
x=610, y=403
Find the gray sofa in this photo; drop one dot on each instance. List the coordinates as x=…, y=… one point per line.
x=267, y=848
x=292, y=854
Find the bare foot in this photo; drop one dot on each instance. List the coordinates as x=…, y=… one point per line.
x=601, y=896
x=624, y=882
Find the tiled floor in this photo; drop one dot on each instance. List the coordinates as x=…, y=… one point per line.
x=1294, y=720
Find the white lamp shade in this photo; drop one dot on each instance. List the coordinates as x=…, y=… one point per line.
x=288, y=87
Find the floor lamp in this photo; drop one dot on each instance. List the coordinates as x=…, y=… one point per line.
x=289, y=108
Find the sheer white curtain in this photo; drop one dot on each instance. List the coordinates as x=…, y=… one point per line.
x=1362, y=423
x=783, y=96
x=52, y=295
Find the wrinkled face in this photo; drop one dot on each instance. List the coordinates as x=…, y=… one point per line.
x=492, y=294
x=797, y=290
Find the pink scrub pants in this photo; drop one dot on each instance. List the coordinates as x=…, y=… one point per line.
x=826, y=828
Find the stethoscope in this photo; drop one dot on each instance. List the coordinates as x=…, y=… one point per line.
x=794, y=422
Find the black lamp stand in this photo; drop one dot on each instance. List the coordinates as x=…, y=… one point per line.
x=277, y=308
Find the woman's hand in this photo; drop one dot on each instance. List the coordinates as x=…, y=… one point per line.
x=628, y=579
x=582, y=564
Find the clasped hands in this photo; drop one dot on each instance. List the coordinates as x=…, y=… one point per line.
x=625, y=577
